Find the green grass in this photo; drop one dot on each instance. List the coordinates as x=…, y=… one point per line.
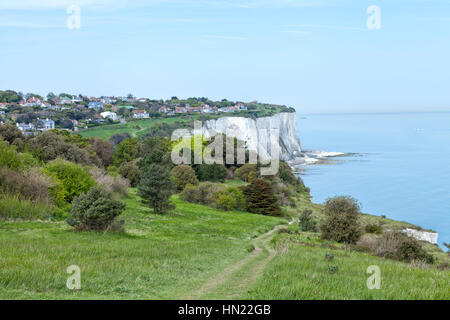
x=301, y=271
x=158, y=257
x=12, y=207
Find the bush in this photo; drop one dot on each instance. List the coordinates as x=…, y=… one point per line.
x=341, y=220
x=211, y=172
x=9, y=157
x=396, y=245
x=50, y=145
x=229, y=199
x=373, y=228
x=131, y=172
x=15, y=207
x=30, y=185
x=103, y=149
x=202, y=194
x=73, y=178
x=10, y=133
x=306, y=221
x=260, y=198
x=182, y=175
x=156, y=188
x=247, y=172
x=95, y=211
x=126, y=151
x=114, y=185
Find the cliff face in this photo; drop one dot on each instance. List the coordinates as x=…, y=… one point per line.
x=260, y=130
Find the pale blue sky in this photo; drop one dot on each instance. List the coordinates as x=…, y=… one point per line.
x=317, y=56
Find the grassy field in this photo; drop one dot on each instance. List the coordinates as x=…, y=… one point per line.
x=158, y=257
x=197, y=252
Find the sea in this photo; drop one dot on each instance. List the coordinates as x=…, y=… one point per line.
x=399, y=164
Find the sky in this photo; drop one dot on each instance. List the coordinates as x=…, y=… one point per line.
x=318, y=56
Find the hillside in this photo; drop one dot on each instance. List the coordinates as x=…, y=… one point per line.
x=196, y=252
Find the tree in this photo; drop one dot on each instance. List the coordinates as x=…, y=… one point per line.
x=118, y=138
x=156, y=188
x=103, y=149
x=246, y=172
x=260, y=198
x=50, y=96
x=341, y=220
x=126, y=151
x=183, y=175
x=306, y=221
x=211, y=172
x=10, y=133
x=131, y=172
x=94, y=210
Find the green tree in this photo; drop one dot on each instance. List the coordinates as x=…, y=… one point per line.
x=183, y=175
x=260, y=198
x=131, y=172
x=341, y=220
x=156, y=188
x=306, y=221
x=94, y=210
x=211, y=172
x=126, y=151
x=73, y=179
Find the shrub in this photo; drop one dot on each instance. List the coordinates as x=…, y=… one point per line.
x=259, y=198
x=247, y=172
x=156, y=188
x=9, y=157
x=50, y=145
x=410, y=249
x=341, y=220
x=103, y=149
x=126, y=151
x=95, y=210
x=211, y=172
x=15, y=207
x=113, y=185
x=73, y=178
x=373, y=228
x=202, y=194
x=182, y=175
x=31, y=185
x=10, y=133
x=131, y=172
x=396, y=245
x=229, y=199
x=306, y=221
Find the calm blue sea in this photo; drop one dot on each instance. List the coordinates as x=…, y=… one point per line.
x=402, y=170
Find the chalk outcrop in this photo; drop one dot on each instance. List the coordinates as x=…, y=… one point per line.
x=257, y=133
x=431, y=237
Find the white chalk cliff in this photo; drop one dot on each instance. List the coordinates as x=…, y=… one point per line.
x=257, y=134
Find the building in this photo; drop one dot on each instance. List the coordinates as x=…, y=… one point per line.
x=96, y=105
x=109, y=115
x=141, y=114
x=180, y=110
x=47, y=124
x=65, y=100
x=240, y=106
x=26, y=128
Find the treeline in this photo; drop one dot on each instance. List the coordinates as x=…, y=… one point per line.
x=65, y=176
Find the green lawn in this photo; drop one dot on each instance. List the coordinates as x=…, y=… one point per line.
x=158, y=257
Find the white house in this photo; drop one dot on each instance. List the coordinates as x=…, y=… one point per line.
x=96, y=105
x=47, y=124
x=141, y=114
x=110, y=115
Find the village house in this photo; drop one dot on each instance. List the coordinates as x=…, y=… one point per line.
x=180, y=110
x=96, y=105
x=240, y=106
x=109, y=115
x=194, y=109
x=141, y=114
x=47, y=124
x=26, y=128
x=164, y=110
x=65, y=100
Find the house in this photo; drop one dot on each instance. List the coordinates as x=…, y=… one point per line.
x=47, y=124
x=194, y=109
x=240, y=106
x=65, y=100
x=109, y=115
x=25, y=127
x=96, y=105
x=31, y=102
x=108, y=100
x=164, y=110
x=143, y=100
x=206, y=108
x=141, y=114
x=226, y=109
x=180, y=110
